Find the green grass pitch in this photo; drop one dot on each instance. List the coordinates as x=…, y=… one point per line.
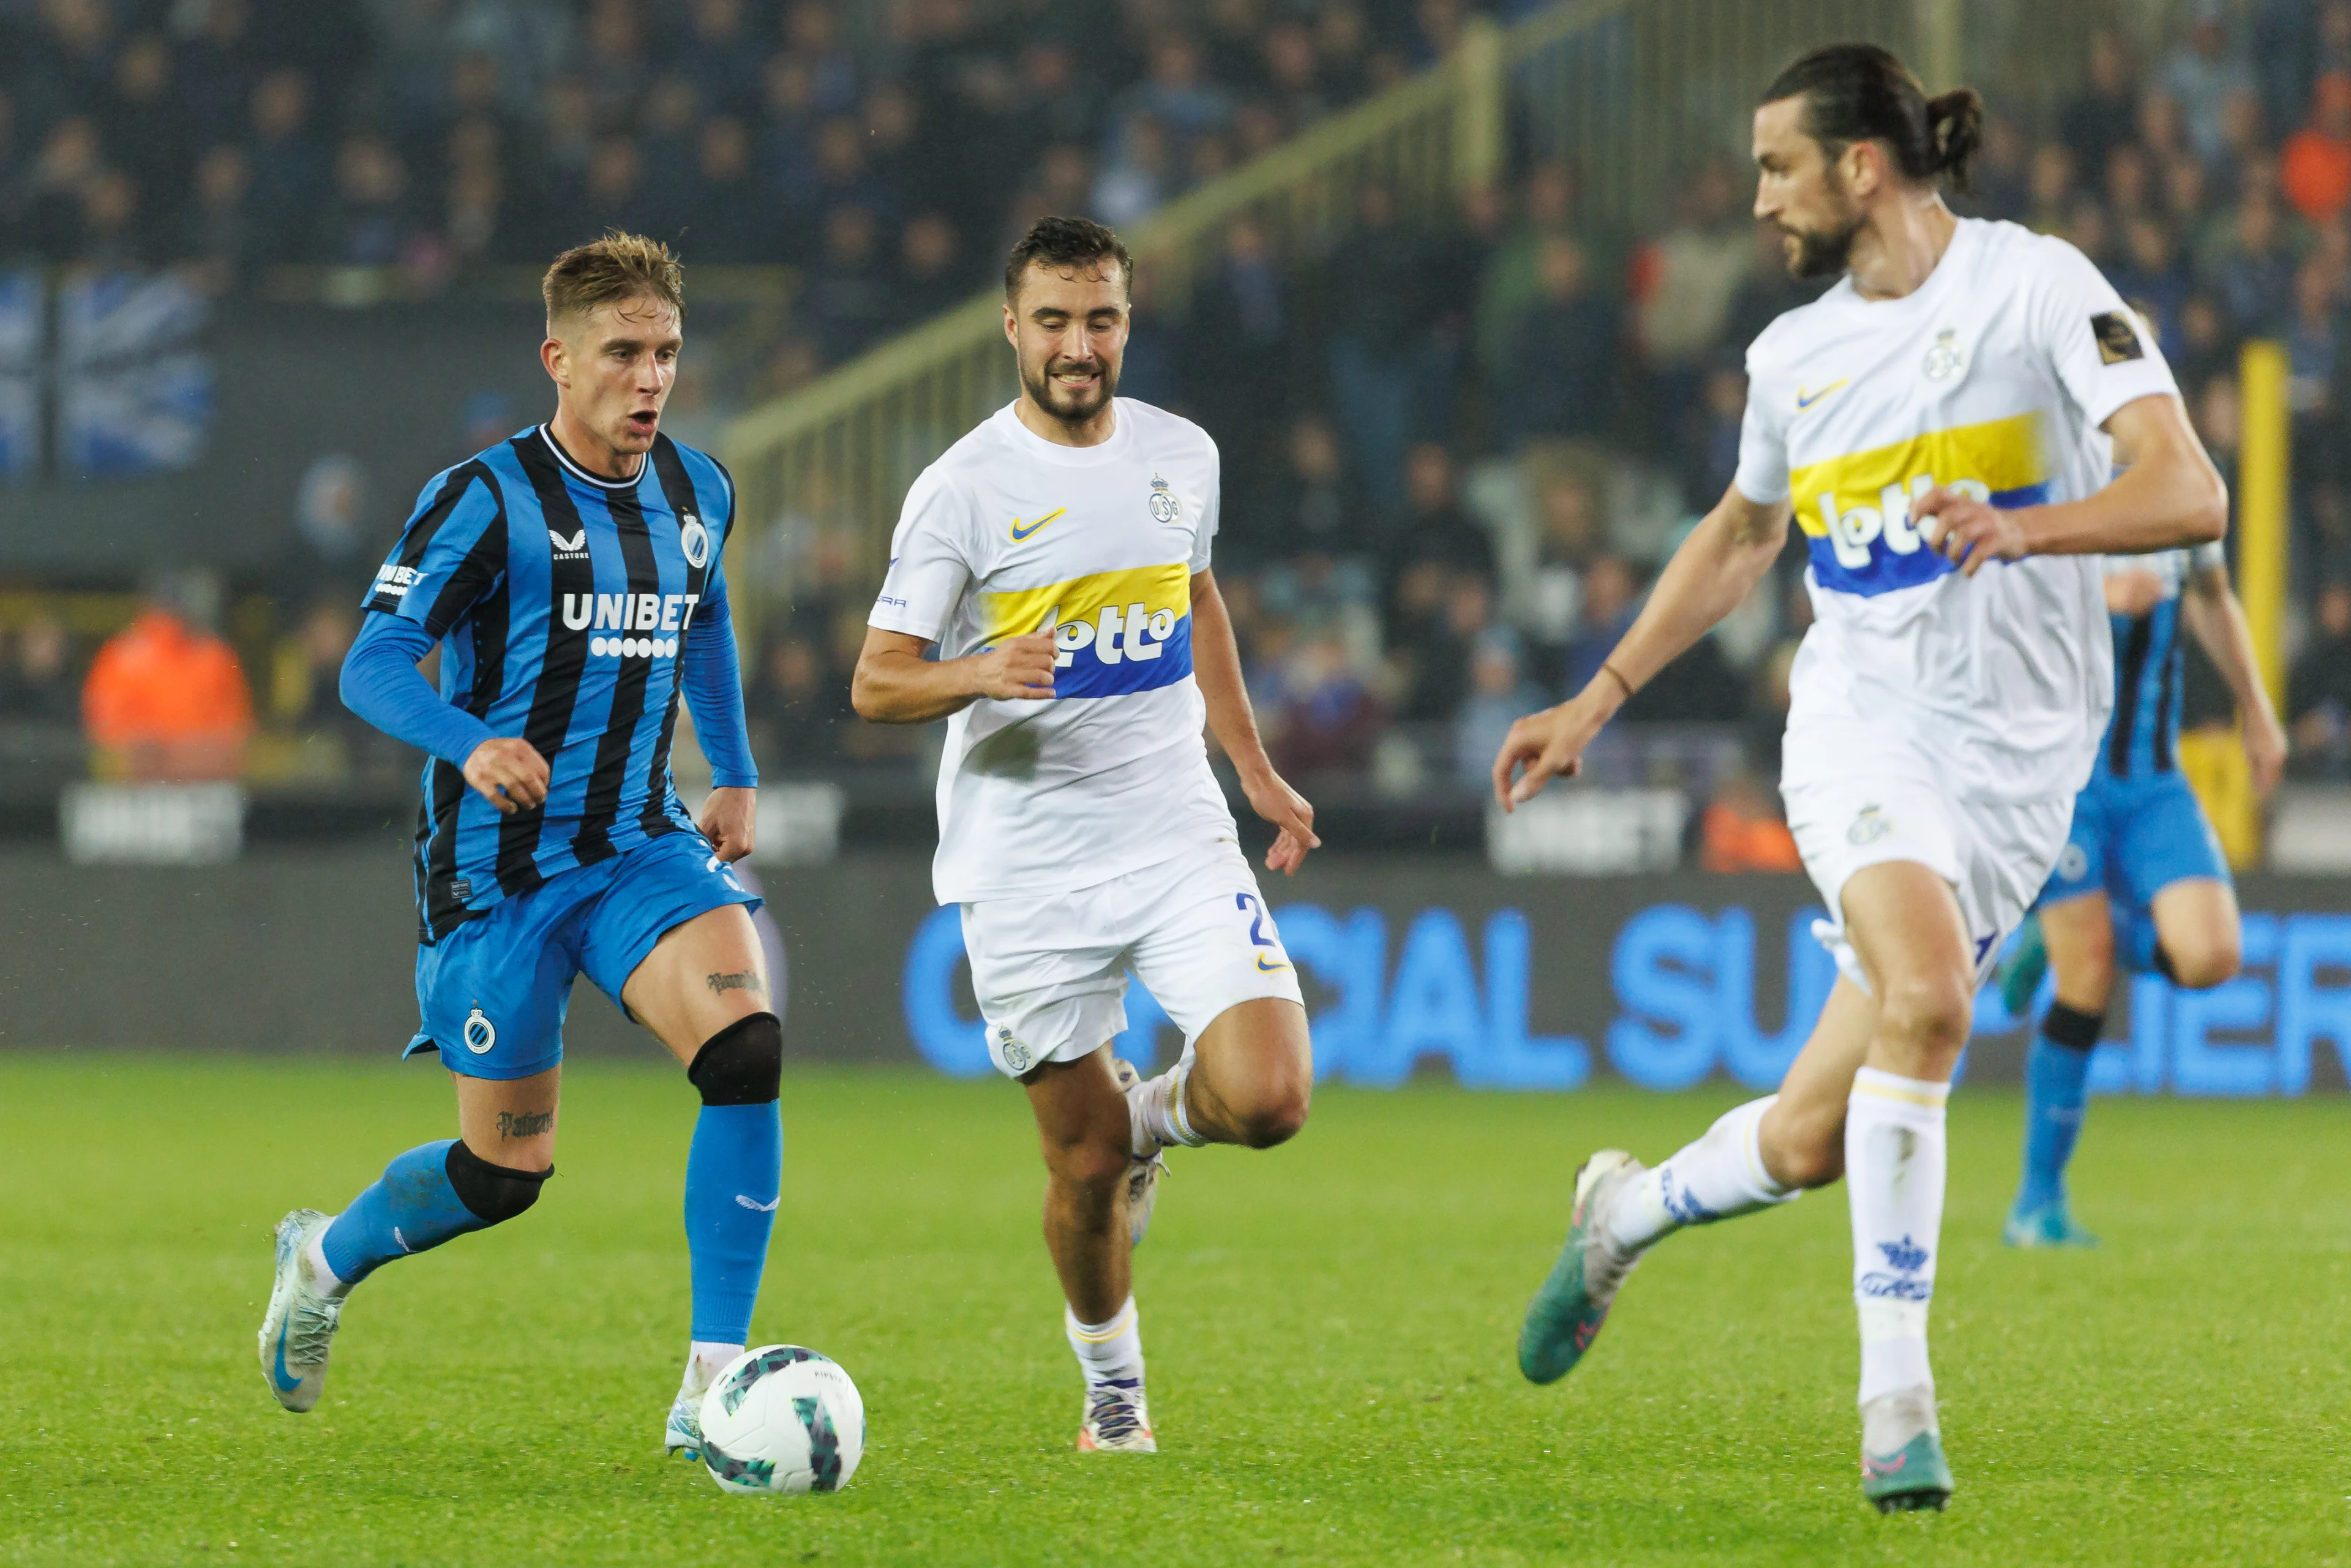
x=1330, y=1331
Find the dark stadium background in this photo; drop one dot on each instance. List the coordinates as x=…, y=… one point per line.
x=265, y=266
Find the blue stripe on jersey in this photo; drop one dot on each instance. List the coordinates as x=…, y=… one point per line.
x=2139, y=737
x=565, y=607
x=1891, y=569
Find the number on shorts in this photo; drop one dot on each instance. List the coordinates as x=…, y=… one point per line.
x=1249, y=901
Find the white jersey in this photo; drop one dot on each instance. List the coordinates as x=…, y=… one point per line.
x=1008, y=534
x=1991, y=378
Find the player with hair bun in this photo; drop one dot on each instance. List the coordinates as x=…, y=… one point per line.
x=1941, y=426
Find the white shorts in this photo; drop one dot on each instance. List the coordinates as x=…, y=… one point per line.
x=1893, y=805
x=1050, y=971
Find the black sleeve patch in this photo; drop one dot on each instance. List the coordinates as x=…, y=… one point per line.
x=2118, y=337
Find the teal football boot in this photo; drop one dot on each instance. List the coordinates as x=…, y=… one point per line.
x=2051, y=1225
x=1569, y=1306
x=1902, y=1466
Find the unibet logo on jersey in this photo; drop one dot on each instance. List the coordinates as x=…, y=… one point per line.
x=1854, y=510
x=1115, y=632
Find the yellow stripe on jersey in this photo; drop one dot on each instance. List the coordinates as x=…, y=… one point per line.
x=1117, y=632
x=1855, y=509
x=2001, y=455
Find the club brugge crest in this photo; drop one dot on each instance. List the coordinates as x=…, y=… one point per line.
x=694, y=539
x=1165, y=507
x=480, y=1033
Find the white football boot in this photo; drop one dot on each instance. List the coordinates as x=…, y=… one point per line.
x=1143, y=1171
x=1117, y=1421
x=682, y=1433
x=300, y=1324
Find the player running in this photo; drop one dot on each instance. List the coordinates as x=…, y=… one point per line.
x=1941, y=425
x=1057, y=559
x=571, y=576
x=2141, y=878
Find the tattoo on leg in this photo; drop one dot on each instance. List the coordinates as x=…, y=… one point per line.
x=524, y=1124
x=741, y=980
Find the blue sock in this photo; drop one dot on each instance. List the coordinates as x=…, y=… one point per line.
x=734, y=1174
x=410, y=1207
x=2056, y=1088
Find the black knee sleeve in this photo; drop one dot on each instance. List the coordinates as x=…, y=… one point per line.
x=495, y=1194
x=742, y=1064
x=2071, y=1027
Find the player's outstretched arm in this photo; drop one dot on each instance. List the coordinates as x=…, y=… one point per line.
x=2213, y=614
x=895, y=685
x=2170, y=496
x=1723, y=559
x=1217, y=665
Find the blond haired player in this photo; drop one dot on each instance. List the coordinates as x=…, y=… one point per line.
x=1057, y=559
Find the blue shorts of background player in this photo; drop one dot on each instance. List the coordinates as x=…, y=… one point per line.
x=493, y=993
x=2131, y=839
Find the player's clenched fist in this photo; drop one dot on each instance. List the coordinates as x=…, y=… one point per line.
x=509, y=773
x=1021, y=669
x=1967, y=531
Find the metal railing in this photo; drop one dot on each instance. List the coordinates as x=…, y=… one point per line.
x=1633, y=93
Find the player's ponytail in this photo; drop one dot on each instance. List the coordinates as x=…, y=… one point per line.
x=1859, y=92
x=1955, y=129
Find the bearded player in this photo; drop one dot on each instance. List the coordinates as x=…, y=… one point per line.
x=571, y=577
x=1940, y=426
x=1058, y=561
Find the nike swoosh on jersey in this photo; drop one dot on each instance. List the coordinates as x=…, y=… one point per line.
x=1019, y=533
x=1264, y=967
x=1805, y=402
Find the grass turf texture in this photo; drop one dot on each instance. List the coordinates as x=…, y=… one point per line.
x=1329, y=1329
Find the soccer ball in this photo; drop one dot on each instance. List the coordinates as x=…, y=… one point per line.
x=780, y=1419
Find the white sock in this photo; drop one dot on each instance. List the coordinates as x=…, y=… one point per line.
x=1719, y=1176
x=1111, y=1350
x=1894, y=1154
x=327, y=1281
x=1156, y=1116
x=705, y=1360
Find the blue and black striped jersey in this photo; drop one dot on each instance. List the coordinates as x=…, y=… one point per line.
x=2140, y=736
x=564, y=602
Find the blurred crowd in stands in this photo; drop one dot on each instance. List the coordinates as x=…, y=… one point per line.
x=1455, y=454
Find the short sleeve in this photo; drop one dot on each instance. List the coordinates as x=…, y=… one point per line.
x=453, y=552
x=1212, y=511
x=1762, y=475
x=929, y=567
x=2103, y=354
x=2212, y=556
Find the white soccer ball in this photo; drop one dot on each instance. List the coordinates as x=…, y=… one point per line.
x=780, y=1419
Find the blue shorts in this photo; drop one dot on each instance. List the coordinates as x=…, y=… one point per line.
x=493, y=993
x=2131, y=839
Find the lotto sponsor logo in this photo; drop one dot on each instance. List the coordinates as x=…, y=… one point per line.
x=1854, y=510
x=1115, y=632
